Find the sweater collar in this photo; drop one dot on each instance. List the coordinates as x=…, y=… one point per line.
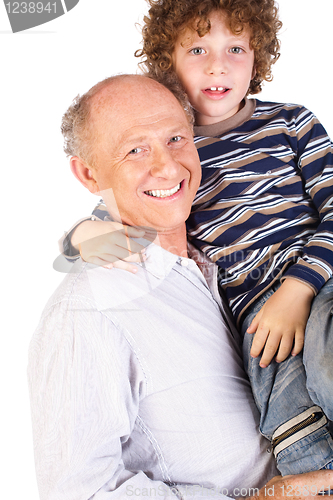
x=217, y=129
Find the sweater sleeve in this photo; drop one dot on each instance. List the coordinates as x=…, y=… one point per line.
x=100, y=212
x=315, y=161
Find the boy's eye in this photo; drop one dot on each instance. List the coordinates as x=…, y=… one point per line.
x=197, y=51
x=236, y=50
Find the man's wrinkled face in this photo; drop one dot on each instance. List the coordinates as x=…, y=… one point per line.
x=145, y=153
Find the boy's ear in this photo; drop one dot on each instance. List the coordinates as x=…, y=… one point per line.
x=84, y=174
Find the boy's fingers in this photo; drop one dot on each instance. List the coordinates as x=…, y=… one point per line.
x=268, y=355
x=298, y=343
x=254, y=324
x=270, y=349
x=126, y=266
x=122, y=239
x=135, y=257
x=253, y=327
x=259, y=341
x=97, y=261
x=286, y=345
x=119, y=248
x=135, y=232
x=119, y=264
x=120, y=255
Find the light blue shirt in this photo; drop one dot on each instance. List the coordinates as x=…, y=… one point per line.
x=138, y=390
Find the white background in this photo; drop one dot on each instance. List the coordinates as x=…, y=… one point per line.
x=42, y=70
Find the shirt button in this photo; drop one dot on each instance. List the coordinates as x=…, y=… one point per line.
x=184, y=262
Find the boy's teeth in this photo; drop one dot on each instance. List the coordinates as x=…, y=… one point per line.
x=163, y=193
x=217, y=88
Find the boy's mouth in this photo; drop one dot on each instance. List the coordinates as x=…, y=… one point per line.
x=218, y=89
x=215, y=91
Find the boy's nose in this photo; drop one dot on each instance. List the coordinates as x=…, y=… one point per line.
x=217, y=64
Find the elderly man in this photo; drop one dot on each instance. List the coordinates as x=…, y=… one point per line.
x=137, y=386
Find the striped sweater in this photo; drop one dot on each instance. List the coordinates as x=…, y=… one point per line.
x=265, y=205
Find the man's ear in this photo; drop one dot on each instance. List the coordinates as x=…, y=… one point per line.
x=84, y=174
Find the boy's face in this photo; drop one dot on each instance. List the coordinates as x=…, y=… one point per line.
x=215, y=70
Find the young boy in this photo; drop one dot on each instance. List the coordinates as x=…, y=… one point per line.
x=263, y=212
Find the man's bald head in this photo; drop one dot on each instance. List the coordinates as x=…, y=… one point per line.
x=78, y=122
x=131, y=142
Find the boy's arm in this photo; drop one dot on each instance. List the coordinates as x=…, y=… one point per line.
x=103, y=242
x=281, y=323
x=70, y=247
x=315, y=160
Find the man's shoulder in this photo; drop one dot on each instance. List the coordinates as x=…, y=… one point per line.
x=71, y=290
x=100, y=289
x=89, y=286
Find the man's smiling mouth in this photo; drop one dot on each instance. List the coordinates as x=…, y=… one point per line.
x=163, y=193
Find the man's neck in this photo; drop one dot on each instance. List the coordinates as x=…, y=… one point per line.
x=174, y=242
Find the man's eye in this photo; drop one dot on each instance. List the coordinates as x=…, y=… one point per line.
x=197, y=51
x=135, y=151
x=236, y=50
x=176, y=138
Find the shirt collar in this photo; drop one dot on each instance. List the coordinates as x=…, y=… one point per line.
x=160, y=262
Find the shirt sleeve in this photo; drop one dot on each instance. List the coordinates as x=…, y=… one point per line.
x=85, y=386
x=315, y=161
x=100, y=212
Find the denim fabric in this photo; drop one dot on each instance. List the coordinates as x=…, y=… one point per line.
x=318, y=350
x=280, y=390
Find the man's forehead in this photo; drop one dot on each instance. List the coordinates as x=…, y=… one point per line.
x=129, y=113
x=130, y=92
x=154, y=126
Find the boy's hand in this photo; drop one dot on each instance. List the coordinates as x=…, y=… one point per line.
x=108, y=244
x=280, y=324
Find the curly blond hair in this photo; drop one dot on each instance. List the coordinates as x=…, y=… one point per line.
x=166, y=19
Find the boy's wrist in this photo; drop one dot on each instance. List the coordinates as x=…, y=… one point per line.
x=65, y=243
x=299, y=287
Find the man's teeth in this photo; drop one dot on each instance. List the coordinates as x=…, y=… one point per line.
x=220, y=89
x=163, y=193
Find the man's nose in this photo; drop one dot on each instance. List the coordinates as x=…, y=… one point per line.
x=217, y=64
x=164, y=164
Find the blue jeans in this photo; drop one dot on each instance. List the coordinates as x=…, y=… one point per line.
x=318, y=350
x=283, y=391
